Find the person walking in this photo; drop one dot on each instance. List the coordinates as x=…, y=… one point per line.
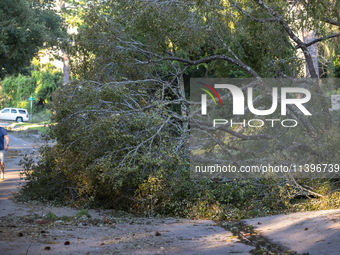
x=3, y=148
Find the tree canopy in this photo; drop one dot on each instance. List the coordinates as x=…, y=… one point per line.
x=25, y=26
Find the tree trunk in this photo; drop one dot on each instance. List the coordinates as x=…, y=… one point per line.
x=66, y=68
x=309, y=36
x=66, y=57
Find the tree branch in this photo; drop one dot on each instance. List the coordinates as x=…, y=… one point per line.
x=319, y=40
x=305, y=51
x=332, y=22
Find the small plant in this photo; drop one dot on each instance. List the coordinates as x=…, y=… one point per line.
x=83, y=213
x=51, y=216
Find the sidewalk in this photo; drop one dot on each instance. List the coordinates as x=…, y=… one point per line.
x=314, y=232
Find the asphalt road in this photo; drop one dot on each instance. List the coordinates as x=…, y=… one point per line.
x=312, y=233
x=12, y=176
x=3, y=124
x=179, y=236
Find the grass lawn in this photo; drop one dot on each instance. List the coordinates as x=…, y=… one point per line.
x=41, y=126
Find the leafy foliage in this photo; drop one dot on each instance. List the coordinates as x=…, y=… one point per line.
x=40, y=85
x=109, y=156
x=25, y=26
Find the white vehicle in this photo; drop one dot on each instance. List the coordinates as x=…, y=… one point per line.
x=17, y=114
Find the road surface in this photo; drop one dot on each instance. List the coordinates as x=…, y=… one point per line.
x=12, y=176
x=313, y=233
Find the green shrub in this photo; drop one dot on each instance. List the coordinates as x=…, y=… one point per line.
x=18, y=89
x=40, y=85
x=51, y=216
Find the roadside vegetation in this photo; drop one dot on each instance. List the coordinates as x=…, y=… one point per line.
x=121, y=126
x=40, y=84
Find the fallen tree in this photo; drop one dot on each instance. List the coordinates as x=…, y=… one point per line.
x=122, y=132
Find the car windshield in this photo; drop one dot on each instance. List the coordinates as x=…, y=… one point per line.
x=5, y=111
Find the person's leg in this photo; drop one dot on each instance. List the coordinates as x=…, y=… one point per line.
x=2, y=165
x=2, y=171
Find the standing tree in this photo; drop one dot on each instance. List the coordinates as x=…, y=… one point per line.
x=25, y=26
